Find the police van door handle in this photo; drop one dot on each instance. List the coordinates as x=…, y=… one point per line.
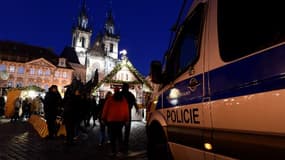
x=193, y=84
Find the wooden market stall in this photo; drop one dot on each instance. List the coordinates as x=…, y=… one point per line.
x=15, y=93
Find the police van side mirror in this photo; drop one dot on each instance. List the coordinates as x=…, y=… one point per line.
x=156, y=72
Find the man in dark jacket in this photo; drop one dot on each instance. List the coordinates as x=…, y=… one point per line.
x=131, y=103
x=52, y=102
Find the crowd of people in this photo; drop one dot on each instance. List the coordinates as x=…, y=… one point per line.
x=78, y=110
x=24, y=107
x=113, y=112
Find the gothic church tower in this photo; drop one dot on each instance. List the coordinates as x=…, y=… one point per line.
x=111, y=39
x=81, y=35
x=103, y=55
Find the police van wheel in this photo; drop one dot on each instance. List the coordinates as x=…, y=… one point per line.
x=157, y=145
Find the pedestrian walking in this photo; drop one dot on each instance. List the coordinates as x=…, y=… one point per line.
x=93, y=110
x=81, y=109
x=52, y=102
x=69, y=113
x=116, y=114
x=86, y=109
x=17, y=106
x=103, y=125
x=131, y=103
x=26, y=107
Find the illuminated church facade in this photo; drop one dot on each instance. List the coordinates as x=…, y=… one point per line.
x=103, y=54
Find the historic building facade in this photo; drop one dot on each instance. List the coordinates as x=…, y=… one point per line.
x=24, y=65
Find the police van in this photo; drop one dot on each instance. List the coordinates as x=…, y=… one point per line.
x=220, y=93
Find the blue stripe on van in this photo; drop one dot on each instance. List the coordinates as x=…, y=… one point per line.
x=187, y=96
x=258, y=73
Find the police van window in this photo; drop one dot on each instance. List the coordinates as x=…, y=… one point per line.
x=185, y=49
x=245, y=27
x=188, y=43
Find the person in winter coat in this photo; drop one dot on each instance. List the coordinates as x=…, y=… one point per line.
x=17, y=107
x=116, y=114
x=52, y=102
x=131, y=103
x=94, y=112
x=103, y=125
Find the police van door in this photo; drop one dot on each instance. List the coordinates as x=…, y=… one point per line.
x=186, y=103
x=246, y=79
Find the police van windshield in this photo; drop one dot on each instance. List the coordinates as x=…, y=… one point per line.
x=245, y=27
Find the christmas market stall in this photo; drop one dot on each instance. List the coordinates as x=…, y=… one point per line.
x=24, y=93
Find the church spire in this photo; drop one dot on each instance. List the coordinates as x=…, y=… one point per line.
x=81, y=35
x=110, y=24
x=83, y=17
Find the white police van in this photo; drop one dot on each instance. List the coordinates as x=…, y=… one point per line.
x=221, y=91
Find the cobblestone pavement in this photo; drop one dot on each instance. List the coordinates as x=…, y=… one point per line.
x=20, y=141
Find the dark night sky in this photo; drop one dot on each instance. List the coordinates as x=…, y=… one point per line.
x=144, y=25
